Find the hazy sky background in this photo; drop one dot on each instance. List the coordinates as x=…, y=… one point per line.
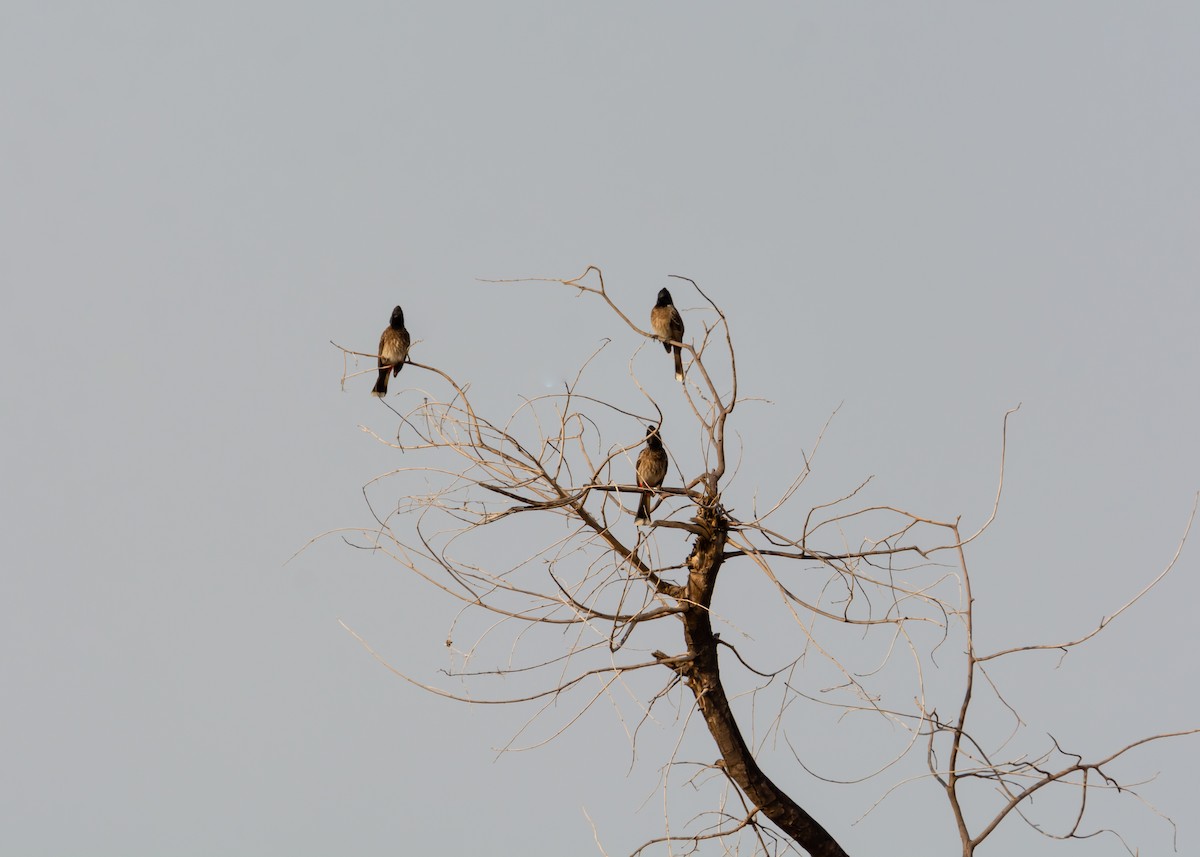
x=925, y=213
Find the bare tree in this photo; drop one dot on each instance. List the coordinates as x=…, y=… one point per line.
x=874, y=592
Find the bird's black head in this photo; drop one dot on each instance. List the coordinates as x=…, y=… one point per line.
x=653, y=438
x=397, y=318
x=664, y=298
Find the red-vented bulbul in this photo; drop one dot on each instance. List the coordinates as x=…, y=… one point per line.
x=393, y=350
x=651, y=470
x=667, y=325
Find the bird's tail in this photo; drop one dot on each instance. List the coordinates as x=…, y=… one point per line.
x=678, y=364
x=643, y=514
x=381, y=384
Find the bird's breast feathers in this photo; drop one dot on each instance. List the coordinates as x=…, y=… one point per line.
x=393, y=346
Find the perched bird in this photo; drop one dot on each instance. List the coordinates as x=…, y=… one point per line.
x=667, y=325
x=393, y=349
x=651, y=470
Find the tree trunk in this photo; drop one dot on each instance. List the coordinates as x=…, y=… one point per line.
x=704, y=678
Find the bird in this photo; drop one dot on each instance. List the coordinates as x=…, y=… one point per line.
x=651, y=470
x=393, y=351
x=667, y=325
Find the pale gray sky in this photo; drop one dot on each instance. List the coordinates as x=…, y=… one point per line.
x=926, y=212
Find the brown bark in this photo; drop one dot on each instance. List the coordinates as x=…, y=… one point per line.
x=704, y=678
